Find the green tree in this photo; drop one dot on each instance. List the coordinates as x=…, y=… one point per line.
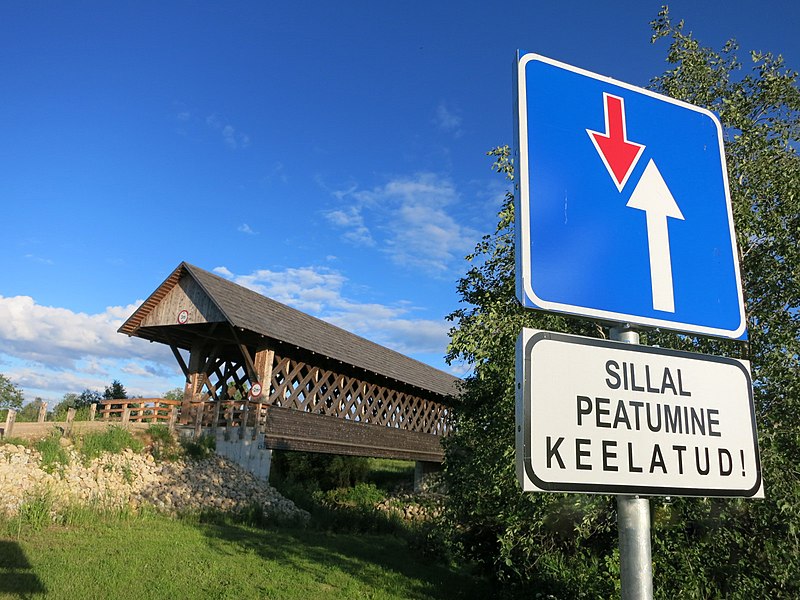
x=77, y=401
x=88, y=397
x=59, y=412
x=115, y=391
x=174, y=394
x=10, y=396
x=567, y=544
x=30, y=412
x=760, y=113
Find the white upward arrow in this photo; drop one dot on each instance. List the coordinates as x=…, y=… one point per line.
x=652, y=196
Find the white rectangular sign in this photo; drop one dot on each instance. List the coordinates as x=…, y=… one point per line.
x=597, y=416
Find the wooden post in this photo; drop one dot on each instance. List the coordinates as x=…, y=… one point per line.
x=228, y=413
x=92, y=411
x=173, y=418
x=126, y=414
x=243, y=417
x=198, y=418
x=11, y=417
x=194, y=381
x=215, y=424
x=257, y=424
x=264, y=360
x=263, y=365
x=42, y=412
x=70, y=420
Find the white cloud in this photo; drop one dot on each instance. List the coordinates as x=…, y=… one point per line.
x=320, y=292
x=39, y=259
x=415, y=216
x=351, y=223
x=278, y=171
x=50, y=350
x=233, y=139
x=448, y=120
x=245, y=228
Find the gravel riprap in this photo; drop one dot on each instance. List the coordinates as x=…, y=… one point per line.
x=133, y=480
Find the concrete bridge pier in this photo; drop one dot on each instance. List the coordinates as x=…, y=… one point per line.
x=422, y=471
x=246, y=448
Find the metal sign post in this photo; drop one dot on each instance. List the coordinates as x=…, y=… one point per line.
x=633, y=522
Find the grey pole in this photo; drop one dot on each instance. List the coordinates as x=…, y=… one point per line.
x=633, y=521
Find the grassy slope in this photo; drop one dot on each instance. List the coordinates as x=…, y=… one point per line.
x=159, y=558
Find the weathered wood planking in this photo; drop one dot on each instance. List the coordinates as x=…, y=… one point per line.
x=287, y=429
x=188, y=296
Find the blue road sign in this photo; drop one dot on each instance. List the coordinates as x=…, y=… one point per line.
x=623, y=208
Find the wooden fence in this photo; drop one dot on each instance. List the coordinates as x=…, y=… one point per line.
x=125, y=411
x=140, y=410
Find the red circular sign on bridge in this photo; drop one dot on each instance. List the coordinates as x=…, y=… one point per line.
x=255, y=391
x=183, y=317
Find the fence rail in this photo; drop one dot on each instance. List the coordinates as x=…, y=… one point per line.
x=126, y=411
x=140, y=410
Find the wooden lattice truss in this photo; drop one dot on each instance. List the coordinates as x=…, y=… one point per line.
x=218, y=392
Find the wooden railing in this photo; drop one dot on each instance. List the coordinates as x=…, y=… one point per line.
x=126, y=411
x=227, y=413
x=140, y=410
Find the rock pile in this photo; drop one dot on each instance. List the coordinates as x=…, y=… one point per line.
x=135, y=480
x=419, y=506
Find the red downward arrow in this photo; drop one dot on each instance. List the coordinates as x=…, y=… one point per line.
x=618, y=154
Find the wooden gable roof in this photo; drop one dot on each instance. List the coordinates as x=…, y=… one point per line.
x=207, y=300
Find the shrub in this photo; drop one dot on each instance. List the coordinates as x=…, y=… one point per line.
x=163, y=442
x=52, y=453
x=114, y=440
x=391, y=474
x=201, y=447
x=36, y=509
x=363, y=495
x=319, y=471
x=60, y=413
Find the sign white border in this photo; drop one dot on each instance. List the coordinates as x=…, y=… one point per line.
x=524, y=285
x=546, y=402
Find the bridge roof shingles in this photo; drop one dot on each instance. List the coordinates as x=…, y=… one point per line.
x=250, y=311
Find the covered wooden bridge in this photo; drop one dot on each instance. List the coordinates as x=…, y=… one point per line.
x=305, y=384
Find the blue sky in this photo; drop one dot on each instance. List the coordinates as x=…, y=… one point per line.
x=329, y=155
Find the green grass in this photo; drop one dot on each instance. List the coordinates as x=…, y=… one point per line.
x=157, y=557
x=389, y=473
x=365, y=495
x=114, y=440
x=35, y=510
x=53, y=456
x=202, y=447
x=16, y=441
